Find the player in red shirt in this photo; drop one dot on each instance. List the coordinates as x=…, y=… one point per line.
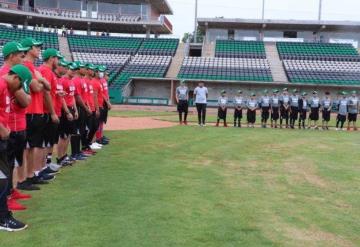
x=13, y=54
x=51, y=109
x=105, y=106
x=19, y=77
x=69, y=114
x=83, y=110
x=35, y=121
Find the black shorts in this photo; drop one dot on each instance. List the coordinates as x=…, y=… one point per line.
x=222, y=113
x=294, y=112
x=314, y=114
x=326, y=115
x=251, y=116
x=183, y=106
x=275, y=113
x=35, y=130
x=265, y=113
x=303, y=113
x=103, y=115
x=66, y=127
x=238, y=114
x=106, y=110
x=51, y=136
x=284, y=112
x=4, y=164
x=352, y=117
x=341, y=118
x=16, y=147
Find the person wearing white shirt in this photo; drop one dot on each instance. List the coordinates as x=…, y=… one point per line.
x=238, y=104
x=182, y=100
x=201, y=94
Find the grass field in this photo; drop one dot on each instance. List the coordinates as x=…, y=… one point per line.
x=191, y=186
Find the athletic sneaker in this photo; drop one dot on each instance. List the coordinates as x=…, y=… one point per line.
x=46, y=177
x=38, y=180
x=95, y=146
x=17, y=195
x=54, y=167
x=10, y=224
x=49, y=171
x=88, y=152
x=13, y=205
x=27, y=186
x=80, y=157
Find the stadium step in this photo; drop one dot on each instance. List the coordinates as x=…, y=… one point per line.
x=277, y=69
x=208, y=49
x=176, y=62
x=64, y=48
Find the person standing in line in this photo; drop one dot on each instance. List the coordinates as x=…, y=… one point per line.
x=314, y=112
x=284, y=108
x=326, y=105
x=294, y=108
x=201, y=94
x=182, y=100
x=238, y=104
x=274, y=105
x=264, y=103
x=222, y=108
x=303, y=105
x=353, y=108
x=252, y=105
x=342, y=112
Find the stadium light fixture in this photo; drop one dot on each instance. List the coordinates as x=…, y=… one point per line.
x=195, y=26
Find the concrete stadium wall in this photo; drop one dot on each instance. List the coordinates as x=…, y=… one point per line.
x=166, y=88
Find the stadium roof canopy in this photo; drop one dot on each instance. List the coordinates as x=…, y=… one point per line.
x=18, y=17
x=161, y=5
x=294, y=25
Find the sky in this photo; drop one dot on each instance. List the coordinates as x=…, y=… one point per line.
x=184, y=10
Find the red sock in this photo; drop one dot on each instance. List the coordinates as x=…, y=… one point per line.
x=99, y=132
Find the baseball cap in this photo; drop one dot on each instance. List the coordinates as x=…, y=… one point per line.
x=239, y=91
x=13, y=47
x=304, y=94
x=24, y=75
x=73, y=66
x=266, y=91
x=51, y=52
x=223, y=91
x=275, y=91
x=80, y=64
x=102, y=68
x=63, y=63
x=90, y=66
x=30, y=42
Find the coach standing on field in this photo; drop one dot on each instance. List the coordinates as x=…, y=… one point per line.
x=201, y=93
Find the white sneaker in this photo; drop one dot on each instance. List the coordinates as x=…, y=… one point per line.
x=54, y=167
x=100, y=145
x=204, y=125
x=94, y=146
x=337, y=129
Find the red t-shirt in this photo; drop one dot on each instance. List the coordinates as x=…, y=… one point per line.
x=105, y=88
x=17, y=115
x=81, y=88
x=99, y=89
x=37, y=99
x=4, y=103
x=69, y=88
x=90, y=94
x=50, y=76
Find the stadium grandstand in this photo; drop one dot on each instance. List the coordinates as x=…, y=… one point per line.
x=236, y=53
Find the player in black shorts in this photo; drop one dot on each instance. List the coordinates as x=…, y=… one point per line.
x=182, y=100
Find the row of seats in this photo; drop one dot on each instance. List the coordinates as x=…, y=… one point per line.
x=229, y=69
x=317, y=51
x=9, y=34
x=101, y=58
x=58, y=12
x=240, y=49
x=117, y=45
x=116, y=17
x=161, y=47
x=142, y=66
x=323, y=72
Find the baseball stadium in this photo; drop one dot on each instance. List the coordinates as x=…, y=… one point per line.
x=163, y=123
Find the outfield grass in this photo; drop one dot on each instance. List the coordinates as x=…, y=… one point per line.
x=192, y=186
